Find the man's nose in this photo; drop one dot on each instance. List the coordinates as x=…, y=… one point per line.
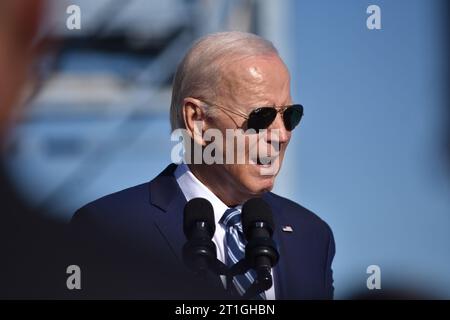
x=277, y=131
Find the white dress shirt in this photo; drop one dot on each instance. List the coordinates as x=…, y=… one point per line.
x=193, y=188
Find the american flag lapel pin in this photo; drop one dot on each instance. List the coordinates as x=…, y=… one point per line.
x=287, y=229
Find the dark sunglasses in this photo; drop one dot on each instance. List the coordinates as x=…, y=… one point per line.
x=262, y=117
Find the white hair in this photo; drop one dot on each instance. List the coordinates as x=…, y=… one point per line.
x=199, y=73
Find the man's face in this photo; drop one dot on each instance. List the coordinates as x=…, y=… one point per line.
x=250, y=83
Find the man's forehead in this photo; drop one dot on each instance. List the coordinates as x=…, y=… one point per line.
x=257, y=81
x=257, y=66
x=255, y=73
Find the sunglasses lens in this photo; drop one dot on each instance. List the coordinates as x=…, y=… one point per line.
x=292, y=116
x=261, y=118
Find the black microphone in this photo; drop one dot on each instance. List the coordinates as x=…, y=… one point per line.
x=260, y=252
x=199, y=227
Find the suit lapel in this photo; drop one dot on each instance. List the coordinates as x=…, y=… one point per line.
x=167, y=196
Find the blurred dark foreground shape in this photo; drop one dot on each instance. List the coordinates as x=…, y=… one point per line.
x=32, y=247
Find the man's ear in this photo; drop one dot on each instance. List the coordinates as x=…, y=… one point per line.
x=194, y=119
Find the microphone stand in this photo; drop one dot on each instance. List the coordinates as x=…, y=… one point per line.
x=262, y=282
x=218, y=268
x=203, y=260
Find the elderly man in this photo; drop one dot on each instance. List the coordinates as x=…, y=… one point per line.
x=227, y=81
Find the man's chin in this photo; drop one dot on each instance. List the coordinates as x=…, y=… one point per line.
x=262, y=185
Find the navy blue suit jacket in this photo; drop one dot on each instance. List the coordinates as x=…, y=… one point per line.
x=131, y=243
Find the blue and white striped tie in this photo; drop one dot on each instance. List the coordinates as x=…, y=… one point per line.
x=235, y=249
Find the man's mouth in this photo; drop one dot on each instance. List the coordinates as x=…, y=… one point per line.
x=263, y=161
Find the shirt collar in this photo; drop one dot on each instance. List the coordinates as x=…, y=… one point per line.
x=194, y=188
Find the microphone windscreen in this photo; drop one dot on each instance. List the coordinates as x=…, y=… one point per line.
x=197, y=210
x=256, y=210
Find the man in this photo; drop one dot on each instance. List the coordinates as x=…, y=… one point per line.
x=227, y=81
x=32, y=247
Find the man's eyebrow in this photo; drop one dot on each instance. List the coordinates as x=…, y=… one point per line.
x=285, y=103
x=266, y=103
x=288, y=102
